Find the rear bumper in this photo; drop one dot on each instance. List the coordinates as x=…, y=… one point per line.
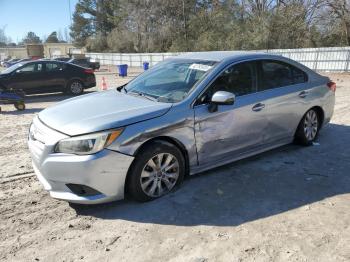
x=90, y=82
x=328, y=109
x=89, y=85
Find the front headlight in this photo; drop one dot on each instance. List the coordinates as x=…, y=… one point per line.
x=87, y=144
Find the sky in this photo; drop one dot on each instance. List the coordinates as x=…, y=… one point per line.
x=39, y=16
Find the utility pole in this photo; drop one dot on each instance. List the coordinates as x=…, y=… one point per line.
x=70, y=17
x=70, y=12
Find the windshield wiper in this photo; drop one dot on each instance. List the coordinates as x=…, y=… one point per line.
x=144, y=95
x=120, y=88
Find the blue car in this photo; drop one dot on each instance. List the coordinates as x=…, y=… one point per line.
x=12, y=97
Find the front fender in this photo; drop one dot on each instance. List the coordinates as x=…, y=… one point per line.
x=177, y=124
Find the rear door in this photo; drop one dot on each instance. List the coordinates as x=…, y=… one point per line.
x=54, y=76
x=283, y=87
x=232, y=129
x=29, y=78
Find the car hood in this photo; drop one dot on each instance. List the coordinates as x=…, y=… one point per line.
x=100, y=111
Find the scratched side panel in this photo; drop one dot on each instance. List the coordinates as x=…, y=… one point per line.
x=178, y=124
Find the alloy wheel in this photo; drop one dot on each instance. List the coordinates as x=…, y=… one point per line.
x=76, y=88
x=160, y=174
x=310, y=125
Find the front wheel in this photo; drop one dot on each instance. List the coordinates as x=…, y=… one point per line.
x=308, y=128
x=156, y=171
x=75, y=87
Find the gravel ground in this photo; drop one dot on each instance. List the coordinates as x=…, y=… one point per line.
x=291, y=204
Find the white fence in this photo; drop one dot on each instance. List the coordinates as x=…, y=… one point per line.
x=336, y=59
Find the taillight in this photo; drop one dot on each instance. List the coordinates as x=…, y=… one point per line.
x=332, y=86
x=89, y=71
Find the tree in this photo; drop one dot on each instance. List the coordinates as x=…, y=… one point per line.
x=31, y=38
x=52, y=38
x=4, y=40
x=67, y=37
x=60, y=36
x=92, y=18
x=196, y=25
x=340, y=10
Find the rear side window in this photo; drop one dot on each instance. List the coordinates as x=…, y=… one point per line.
x=276, y=74
x=299, y=76
x=53, y=67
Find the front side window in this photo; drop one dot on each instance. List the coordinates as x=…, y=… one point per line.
x=32, y=68
x=170, y=81
x=28, y=68
x=239, y=79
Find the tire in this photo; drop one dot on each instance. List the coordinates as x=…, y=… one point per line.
x=308, y=128
x=147, y=180
x=20, y=106
x=75, y=87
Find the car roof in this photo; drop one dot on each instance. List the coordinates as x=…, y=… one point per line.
x=230, y=56
x=219, y=56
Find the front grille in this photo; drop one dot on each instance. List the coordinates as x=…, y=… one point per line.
x=42, y=140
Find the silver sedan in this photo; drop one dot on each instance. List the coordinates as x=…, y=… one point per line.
x=183, y=116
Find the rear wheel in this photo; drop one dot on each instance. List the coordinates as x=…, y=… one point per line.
x=308, y=128
x=75, y=87
x=20, y=106
x=157, y=170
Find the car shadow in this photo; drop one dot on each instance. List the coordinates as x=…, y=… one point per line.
x=51, y=97
x=41, y=98
x=22, y=112
x=268, y=184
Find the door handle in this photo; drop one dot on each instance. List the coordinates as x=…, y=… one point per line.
x=303, y=94
x=258, y=107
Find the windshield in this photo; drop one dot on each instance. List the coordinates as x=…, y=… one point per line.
x=11, y=68
x=171, y=80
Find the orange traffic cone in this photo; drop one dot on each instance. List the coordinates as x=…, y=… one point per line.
x=104, y=84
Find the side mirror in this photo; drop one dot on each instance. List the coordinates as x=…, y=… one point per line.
x=221, y=98
x=18, y=71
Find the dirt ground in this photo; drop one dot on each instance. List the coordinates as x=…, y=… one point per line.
x=289, y=204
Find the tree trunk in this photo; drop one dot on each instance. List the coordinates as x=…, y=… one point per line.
x=347, y=31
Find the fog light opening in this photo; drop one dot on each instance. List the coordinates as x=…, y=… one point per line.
x=82, y=190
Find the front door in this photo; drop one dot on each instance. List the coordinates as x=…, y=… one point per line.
x=28, y=78
x=232, y=129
